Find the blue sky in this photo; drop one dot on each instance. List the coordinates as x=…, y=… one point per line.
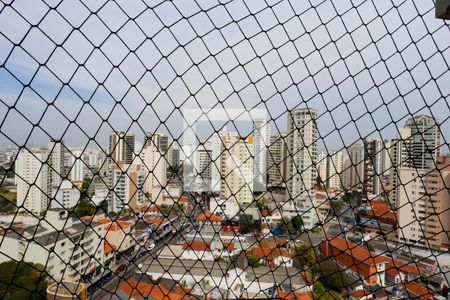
x=80, y=69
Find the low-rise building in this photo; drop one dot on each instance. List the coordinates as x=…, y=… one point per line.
x=209, y=223
x=208, y=250
x=271, y=254
x=68, y=248
x=231, y=279
x=400, y=272
x=356, y=260
x=380, y=219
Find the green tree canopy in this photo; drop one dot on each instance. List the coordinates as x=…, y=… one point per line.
x=297, y=223
x=306, y=254
x=333, y=279
x=248, y=226
x=22, y=281
x=253, y=260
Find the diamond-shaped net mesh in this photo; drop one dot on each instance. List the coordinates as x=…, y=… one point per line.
x=194, y=149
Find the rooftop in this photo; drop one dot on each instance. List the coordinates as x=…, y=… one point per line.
x=209, y=216
x=361, y=254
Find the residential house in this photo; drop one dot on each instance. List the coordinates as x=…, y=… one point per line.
x=356, y=260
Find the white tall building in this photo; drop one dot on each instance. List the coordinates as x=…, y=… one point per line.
x=261, y=140
x=400, y=158
x=155, y=167
x=56, y=160
x=335, y=166
x=416, y=146
x=354, y=166
x=301, y=163
x=216, y=145
x=237, y=169
x=33, y=190
x=322, y=165
x=203, y=162
x=128, y=187
x=37, y=171
x=373, y=166
x=121, y=147
x=425, y=141
x=276, y=160
x=65, y=195
x=77, y=166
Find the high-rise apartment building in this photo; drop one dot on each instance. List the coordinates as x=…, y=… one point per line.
x=424, y=205
x=175, y=163
x=215, y=144
x=37, y=171
x=121, y=147
x=157, y=139
x=416, y=146
x=56, y=162
x=76, y=164
x=261, y=140
x=373, y=166
x=354, y=166
x=399, y=154
x=301, y=178
x=334, y=169
x=128, y=187
x=425, y=141
x=276, y=160
x=33, y=177
x=203, y=162
x=66, y=195
x=155, y=167
x=237, y=168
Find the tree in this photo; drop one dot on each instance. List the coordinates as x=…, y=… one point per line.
x=306, y=254
x=165, y=210
x=22, y=281
x=285, y=225
x=253, y=260
x=85, y=208
x=318, y=288
x=297, y=223
x=8, y=208
x=246, y=227
x=261, y=205
x=86, y=183
x=104, y=206
x=333, y=279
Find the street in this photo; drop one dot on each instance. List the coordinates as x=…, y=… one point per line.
x=106, y=291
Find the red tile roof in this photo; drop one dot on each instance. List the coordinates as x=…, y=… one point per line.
x=229, y=246
x=294, y=296
x=358, y=252
x=307, y=277
x=404, y=267
x=208, y=216
x=360, y=293
x=158, y=221
x=107, y=248
x=197, y=246
x=267, y=253
x=183, y=200
x=120, y=225
x=419, y=290
x=142, y=290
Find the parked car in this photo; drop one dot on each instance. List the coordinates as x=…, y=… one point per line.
x=122, y=268
x=151, y=246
